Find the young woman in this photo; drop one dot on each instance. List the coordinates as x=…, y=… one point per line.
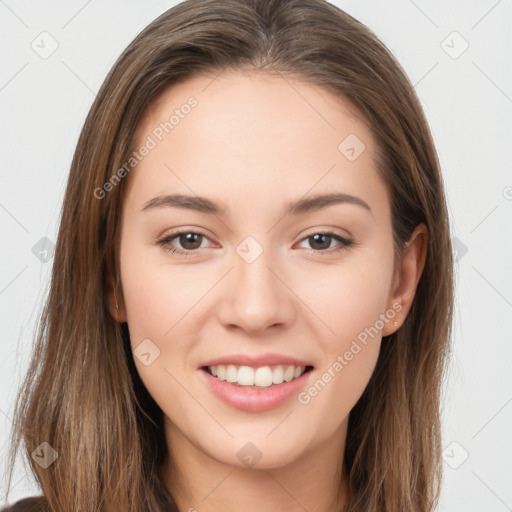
x=251, y=297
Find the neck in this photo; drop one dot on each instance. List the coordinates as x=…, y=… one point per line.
x=312, y=482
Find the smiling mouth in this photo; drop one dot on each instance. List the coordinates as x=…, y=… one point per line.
x=257, y=378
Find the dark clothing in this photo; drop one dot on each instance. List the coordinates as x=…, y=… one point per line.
x=34, y=504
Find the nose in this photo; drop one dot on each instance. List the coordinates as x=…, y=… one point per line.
x=256, y=295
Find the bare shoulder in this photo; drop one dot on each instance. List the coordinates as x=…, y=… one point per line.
x=33, y=504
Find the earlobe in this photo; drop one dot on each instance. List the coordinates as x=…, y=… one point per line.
x=409, y=271
x=116, y=307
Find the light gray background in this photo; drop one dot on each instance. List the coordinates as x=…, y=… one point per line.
x=468, y=102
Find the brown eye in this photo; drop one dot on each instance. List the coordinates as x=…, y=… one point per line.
x=188, y=242
x=321, y=242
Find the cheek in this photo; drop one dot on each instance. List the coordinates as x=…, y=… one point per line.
x=336, y=388
x=158, y=299
x=348, y=365
x=348, y=298
x=159, y=307
x=353, y=305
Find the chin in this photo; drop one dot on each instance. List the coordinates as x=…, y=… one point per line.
x=256, y=452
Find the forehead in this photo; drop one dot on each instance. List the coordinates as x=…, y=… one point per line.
x=240, y=98
x=254, y=135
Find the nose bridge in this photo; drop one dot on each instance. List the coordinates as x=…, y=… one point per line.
x=257, y=297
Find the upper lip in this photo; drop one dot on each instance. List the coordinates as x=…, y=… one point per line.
x=268, y=359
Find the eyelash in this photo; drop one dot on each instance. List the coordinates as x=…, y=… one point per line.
x=345, y=242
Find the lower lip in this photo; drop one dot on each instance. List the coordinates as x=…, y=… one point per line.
x=254, y=399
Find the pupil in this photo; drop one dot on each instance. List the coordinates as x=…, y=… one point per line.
x=189, y=240
x=315, y=238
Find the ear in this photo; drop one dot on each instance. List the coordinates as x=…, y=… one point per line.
x=116, y=304
x=406, y=278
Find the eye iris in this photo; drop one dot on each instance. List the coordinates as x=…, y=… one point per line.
x=190, y=241
x=316, y=238
x=187, y=241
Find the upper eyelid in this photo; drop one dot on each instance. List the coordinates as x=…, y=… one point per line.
x=329, y=232
x=172, y=236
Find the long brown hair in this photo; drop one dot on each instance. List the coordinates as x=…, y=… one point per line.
x=82, y=393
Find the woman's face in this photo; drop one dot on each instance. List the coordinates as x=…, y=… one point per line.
x=256, y=285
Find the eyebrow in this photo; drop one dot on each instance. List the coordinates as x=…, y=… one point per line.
x=299, y=207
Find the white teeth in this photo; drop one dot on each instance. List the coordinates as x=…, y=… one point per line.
x=288, y=374
x=262, y=377
x=278, y=375
x=231, y=373
x=245, y=376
